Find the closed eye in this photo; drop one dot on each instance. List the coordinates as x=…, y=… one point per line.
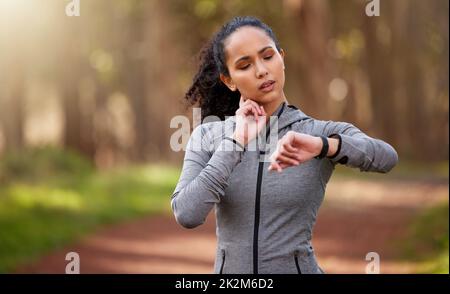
x=245, y=67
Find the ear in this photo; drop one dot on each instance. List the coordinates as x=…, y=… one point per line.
x=228, y=82
x=282, y=53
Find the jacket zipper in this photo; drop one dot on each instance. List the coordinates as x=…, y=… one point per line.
x=296, y=264
x=223, y=262
x=257, y=211
x=258, y=199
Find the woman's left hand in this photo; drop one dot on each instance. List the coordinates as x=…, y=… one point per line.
x=294, y=148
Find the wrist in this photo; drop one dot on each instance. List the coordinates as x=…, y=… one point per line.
x=240, y=140
x=323, y=147
x=333, y=144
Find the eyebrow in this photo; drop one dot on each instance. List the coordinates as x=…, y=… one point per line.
x=248, y=57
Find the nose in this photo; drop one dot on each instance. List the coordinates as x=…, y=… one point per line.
x=261, y=70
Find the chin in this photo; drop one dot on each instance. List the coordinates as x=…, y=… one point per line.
x=268, y=97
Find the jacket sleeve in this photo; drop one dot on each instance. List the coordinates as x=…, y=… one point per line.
x=357, y=149
x=204, y=178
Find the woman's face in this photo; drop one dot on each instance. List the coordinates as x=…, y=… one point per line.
x=253, y=59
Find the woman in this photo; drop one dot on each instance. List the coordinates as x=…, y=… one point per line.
x=265, y=212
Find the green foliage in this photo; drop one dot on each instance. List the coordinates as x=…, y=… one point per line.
x=51, y=197
x=428, y=240
x=42, y=163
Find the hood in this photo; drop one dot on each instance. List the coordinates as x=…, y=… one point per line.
x=289, y=115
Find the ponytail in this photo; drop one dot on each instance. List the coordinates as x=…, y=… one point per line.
x=213, y=96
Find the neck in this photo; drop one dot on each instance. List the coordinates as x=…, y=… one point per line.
x=272, y=106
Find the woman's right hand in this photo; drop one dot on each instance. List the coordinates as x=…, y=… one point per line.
x=250, y=120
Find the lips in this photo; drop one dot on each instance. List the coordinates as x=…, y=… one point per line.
x=266, y=84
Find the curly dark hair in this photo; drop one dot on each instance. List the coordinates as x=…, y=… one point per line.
x=207, y=89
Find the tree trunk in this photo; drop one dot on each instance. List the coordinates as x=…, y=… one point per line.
x=316, y=64
x=12, y=112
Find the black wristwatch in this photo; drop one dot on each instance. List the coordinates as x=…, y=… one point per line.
x=325, y=147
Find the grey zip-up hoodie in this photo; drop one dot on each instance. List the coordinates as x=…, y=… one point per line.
x=265, y=219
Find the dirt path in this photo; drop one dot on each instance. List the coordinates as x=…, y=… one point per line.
x=370, y=217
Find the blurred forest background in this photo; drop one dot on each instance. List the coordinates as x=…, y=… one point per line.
x=107, y=83
x=98, y=92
